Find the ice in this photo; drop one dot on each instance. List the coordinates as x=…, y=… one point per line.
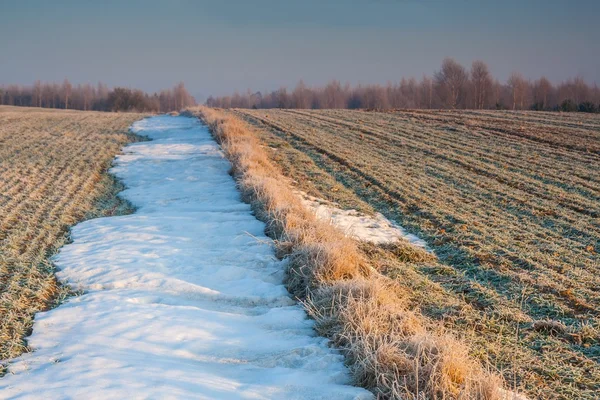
x=183, y=298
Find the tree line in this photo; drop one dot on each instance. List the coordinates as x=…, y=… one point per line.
x=95, y=97
x=451, y=87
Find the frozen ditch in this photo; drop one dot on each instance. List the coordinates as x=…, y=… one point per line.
x=181, y=299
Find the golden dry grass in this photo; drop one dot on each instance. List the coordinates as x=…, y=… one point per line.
x=509, y=201
x=389, y=348
x=53, y=174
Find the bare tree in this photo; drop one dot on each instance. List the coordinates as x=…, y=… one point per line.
x=37, y=93
x=451, y=87
x=595, y=94
x=301, y=97
x=426, y=92
x=87, y=94
x=482, y=83
x=541, y=91
x=66, y=91
x=518, y=86
x=85, y=97
x=283, y=99
x=333, y=96
x=410, y=92
x=375, y=98
x=450, y=81
x=581, y=90
x=395, y=97
x=182, y=96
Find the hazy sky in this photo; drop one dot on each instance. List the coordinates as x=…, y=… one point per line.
x=216, y=47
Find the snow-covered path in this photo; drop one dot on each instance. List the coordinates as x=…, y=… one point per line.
x=184, y=298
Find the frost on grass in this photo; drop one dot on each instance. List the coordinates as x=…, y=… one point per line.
x=507, y=200
x=183, y=299
x=52, y=175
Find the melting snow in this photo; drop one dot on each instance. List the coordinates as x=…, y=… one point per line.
x=376, y=229
x=181, y=299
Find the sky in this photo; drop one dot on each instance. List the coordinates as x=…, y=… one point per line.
x=216, y=47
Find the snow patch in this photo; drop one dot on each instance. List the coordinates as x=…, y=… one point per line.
x=183, y=299
x=375, y=229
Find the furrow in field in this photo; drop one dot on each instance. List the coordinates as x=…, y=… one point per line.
x=516, y=216
x=570, y=137
x=484, y=145
x=386, y=154
x=554, y=286
x=494, y=277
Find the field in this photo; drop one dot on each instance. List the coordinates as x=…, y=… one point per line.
x=509, y=202
x=53, y=173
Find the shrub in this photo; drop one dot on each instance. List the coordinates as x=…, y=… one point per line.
x=568, y=106
x=588, y=106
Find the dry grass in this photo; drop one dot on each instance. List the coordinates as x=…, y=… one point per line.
x=509, y=201
x=53, y=174
x=389, y=348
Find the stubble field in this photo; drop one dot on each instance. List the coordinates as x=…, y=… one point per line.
x=508, y=201
x=53, y=173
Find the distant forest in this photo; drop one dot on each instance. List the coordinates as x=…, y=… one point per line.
x=95, y=97
x=452, y=87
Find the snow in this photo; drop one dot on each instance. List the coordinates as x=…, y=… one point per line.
x=183, y=299
x=370, y=228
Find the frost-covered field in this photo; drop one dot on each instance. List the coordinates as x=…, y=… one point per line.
x=183, y=299
x=508, y=201
x=53, y=174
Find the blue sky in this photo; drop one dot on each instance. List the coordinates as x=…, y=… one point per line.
x=217, y=47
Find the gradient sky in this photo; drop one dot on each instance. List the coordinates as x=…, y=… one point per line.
x=216, y=47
